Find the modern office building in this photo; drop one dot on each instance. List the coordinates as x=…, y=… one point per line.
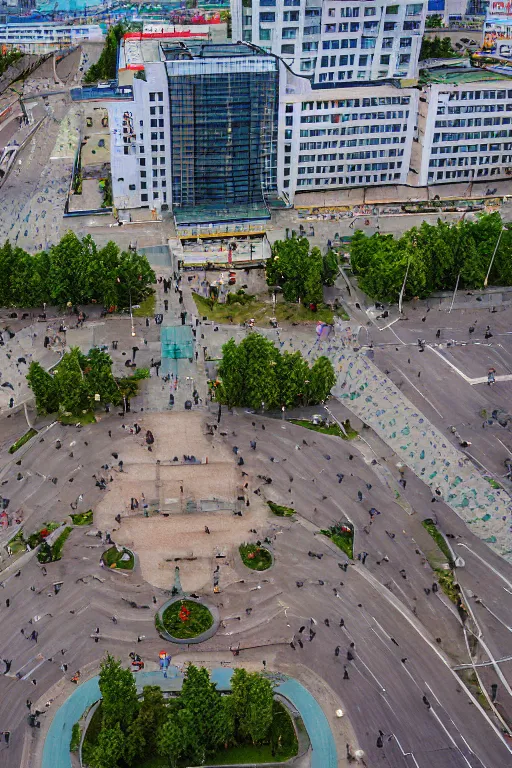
x=465, y=127
x=333, y=42
x=193, y=127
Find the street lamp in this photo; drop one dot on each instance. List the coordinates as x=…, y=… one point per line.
x=492, y=259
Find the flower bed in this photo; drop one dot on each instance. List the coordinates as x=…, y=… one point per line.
x=255, y=556
x=186, y=618
x=112, y=559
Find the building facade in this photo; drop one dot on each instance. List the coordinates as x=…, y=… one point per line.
x=193, y=126
x=46, y=37
x=344, y=137
x=333, y=42
x=465, y=129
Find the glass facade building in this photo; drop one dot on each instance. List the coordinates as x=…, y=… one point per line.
x=223, y=102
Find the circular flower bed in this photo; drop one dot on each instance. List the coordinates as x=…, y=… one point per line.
x=184, y=619
x=255, y=556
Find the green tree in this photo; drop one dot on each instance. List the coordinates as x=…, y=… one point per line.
x=120, y=704
x=287, y=267
x=142, y=733
x=99, y=377
x=106, y=66
x=66, y=268
x=330, y=268
x=232, y=371
x=171, y=741
x=292, y=373
x=261, y=385
x=72, y=390
x=437, y=48
x=321, y=380
x=313, y=293
x=44, y=388
x=110, y=748
x=200, y=701
x=252, y=697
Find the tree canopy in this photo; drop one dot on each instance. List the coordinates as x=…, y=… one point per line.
x=191, y=726
x=299, y=271
x=76, y=381
x=75, y=271
x=106, y=66
x=436, y=255
x=437, y=48
x=255, y=372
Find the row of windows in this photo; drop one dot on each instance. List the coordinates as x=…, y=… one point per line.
x=471, y=135
x=374, y=101
x=363, y=155
x=366, y=43
x=464, y=174
x=350, y=168
x=336, y=118
x=454, y=150
x=475, y=109
x=359, y=180
x=477, y=95
x=462, y=123
x=461, y=161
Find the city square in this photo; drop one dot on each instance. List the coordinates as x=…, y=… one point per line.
x=255, y=443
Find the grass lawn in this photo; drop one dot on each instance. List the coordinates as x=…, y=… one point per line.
x=112, y=559
x=257, y=558
x=438, y=537
x=261, y=312
x=343, y=539
x=146, y=309
x=58, y=545
x=22, y=440
x=332, y=429
x=280, y=511
x=199, y=619
x=83, y=518
x=18, y=543
x=85, y=418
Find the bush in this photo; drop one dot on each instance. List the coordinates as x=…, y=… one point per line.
x=140, y=373
x=280, y=511
x=342, y=534
x=112, y=559
x=75, y=738
x=83, y=518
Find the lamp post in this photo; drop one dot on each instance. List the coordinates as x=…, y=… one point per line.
x=492, y=258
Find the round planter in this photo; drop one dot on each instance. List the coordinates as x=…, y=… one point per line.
x=259, y=570
x=186, y=640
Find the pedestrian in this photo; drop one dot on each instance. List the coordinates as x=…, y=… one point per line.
x=359, y=495
x=345, y=674
x=337, y=650
x=206, y=529
x=342, y=622
x=426, y=702
x=438, y=333
x=350, y=656
x=419, y=374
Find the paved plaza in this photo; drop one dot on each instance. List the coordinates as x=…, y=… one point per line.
x=371, y=637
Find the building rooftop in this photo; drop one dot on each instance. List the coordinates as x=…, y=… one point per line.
x=459, y=75
x=203, y=50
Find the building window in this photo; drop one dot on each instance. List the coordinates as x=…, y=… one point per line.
x=152, y=96
x=127, y=150
x=160, y=96
x=142, y=161
x=143, y=174
x=265, y=34
x=143, y=185
x=288, y=49
x=267, y=16
x=289, y=109
x=131, y=187
x=144, y=198
x=289, y=33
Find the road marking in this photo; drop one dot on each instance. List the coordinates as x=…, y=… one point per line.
x=471, y=382
x=371, y=673
x=420, y=392
x=445, y=729
x=393, y=600
x=494, y=570
x=406, y=754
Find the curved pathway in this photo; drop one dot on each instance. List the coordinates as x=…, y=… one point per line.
x=56, y=747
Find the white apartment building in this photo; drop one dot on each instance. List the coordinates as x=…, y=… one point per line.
x=46, y=37
x=336, y=41
x=344, y=137
x=465, y=127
